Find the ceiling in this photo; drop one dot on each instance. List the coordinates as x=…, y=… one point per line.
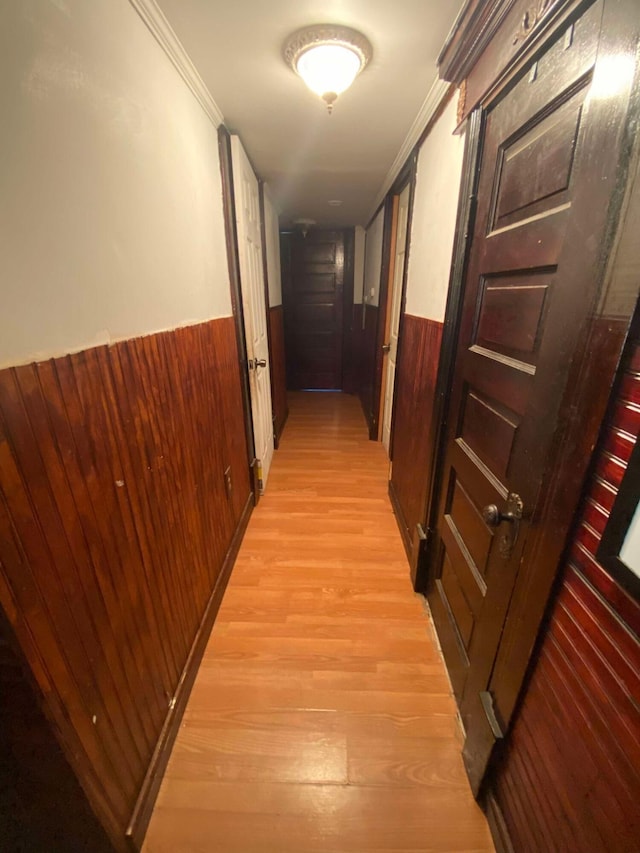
x=305, y=155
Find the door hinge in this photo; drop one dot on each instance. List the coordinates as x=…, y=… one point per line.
x=486, y=700
x=423, y=535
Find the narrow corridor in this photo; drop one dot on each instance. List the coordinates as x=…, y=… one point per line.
x=321, y=718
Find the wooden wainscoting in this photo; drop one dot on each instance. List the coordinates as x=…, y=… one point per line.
x=39, y=793
x=278, y=371
x=415, y=395
x=357, y=333
x=117, y=533
x=569, y=777
x=367, y=391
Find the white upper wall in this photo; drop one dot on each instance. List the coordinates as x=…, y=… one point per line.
x=434, y=218
x=111, y=219
x=358, y=265
x=373, y=259
x=272, y=238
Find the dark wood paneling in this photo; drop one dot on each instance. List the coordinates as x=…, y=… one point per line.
x=414, y=401
x=115, y=525
x=349, y=334
x=368, y=360
x=42, y=806
x=278, y=371
x=357, y=343
x=570, y=774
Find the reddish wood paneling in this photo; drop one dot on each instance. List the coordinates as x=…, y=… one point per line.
x=414, y=399
x=355, y=370
x=42, y=806
x=570, y=775
x=367, y=361
x=114, y=527
x=278, y=370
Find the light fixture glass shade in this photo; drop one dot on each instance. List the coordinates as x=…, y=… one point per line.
x=328, y=57
x=328, y=68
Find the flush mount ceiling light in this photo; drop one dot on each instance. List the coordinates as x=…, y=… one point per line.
x=328, y=57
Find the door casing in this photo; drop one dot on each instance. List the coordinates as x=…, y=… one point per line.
x=583, y=406
x=249, y=230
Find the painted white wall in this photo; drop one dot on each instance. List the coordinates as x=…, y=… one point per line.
x=434, y=218
x=272, y=238
x=111, y=219
x=373, y=260
x=358, y=265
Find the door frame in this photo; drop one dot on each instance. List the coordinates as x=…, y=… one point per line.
x=265, y=272
x=233, y=261
x=584, y=401
x=407, y=175
x=288, y=239
x=240, y=161
x=395, y=205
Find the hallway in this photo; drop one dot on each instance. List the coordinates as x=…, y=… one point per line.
x=321, y=718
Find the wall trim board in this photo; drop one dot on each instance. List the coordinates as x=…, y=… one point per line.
x=153, y=779
x=400, y=519
x=163, y=32
x=436, y=95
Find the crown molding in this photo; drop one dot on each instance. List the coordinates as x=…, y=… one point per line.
x=162, y=31
x=437, y=94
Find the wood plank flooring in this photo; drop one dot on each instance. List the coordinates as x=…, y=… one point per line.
x=321, y=718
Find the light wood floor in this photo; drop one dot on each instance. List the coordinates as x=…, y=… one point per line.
x=321, y=718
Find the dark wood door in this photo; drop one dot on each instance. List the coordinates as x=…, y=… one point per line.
x=313, y=310
x=526, y=299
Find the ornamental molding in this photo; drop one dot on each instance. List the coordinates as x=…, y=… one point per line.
x=163, y=32
x=431, y=104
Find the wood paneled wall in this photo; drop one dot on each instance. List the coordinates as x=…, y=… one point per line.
x=42, y=806
x=416, y=375
x=278, y=370
x=116, y=528
x=357, y=336
x=367, y=367
x=570, y=775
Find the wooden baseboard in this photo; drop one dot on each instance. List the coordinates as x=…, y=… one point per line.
x=497, y=824
x=151, y=785
x=400, y=519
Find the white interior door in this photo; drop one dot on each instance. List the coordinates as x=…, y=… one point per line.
x=247, y=208
x=396, y=298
